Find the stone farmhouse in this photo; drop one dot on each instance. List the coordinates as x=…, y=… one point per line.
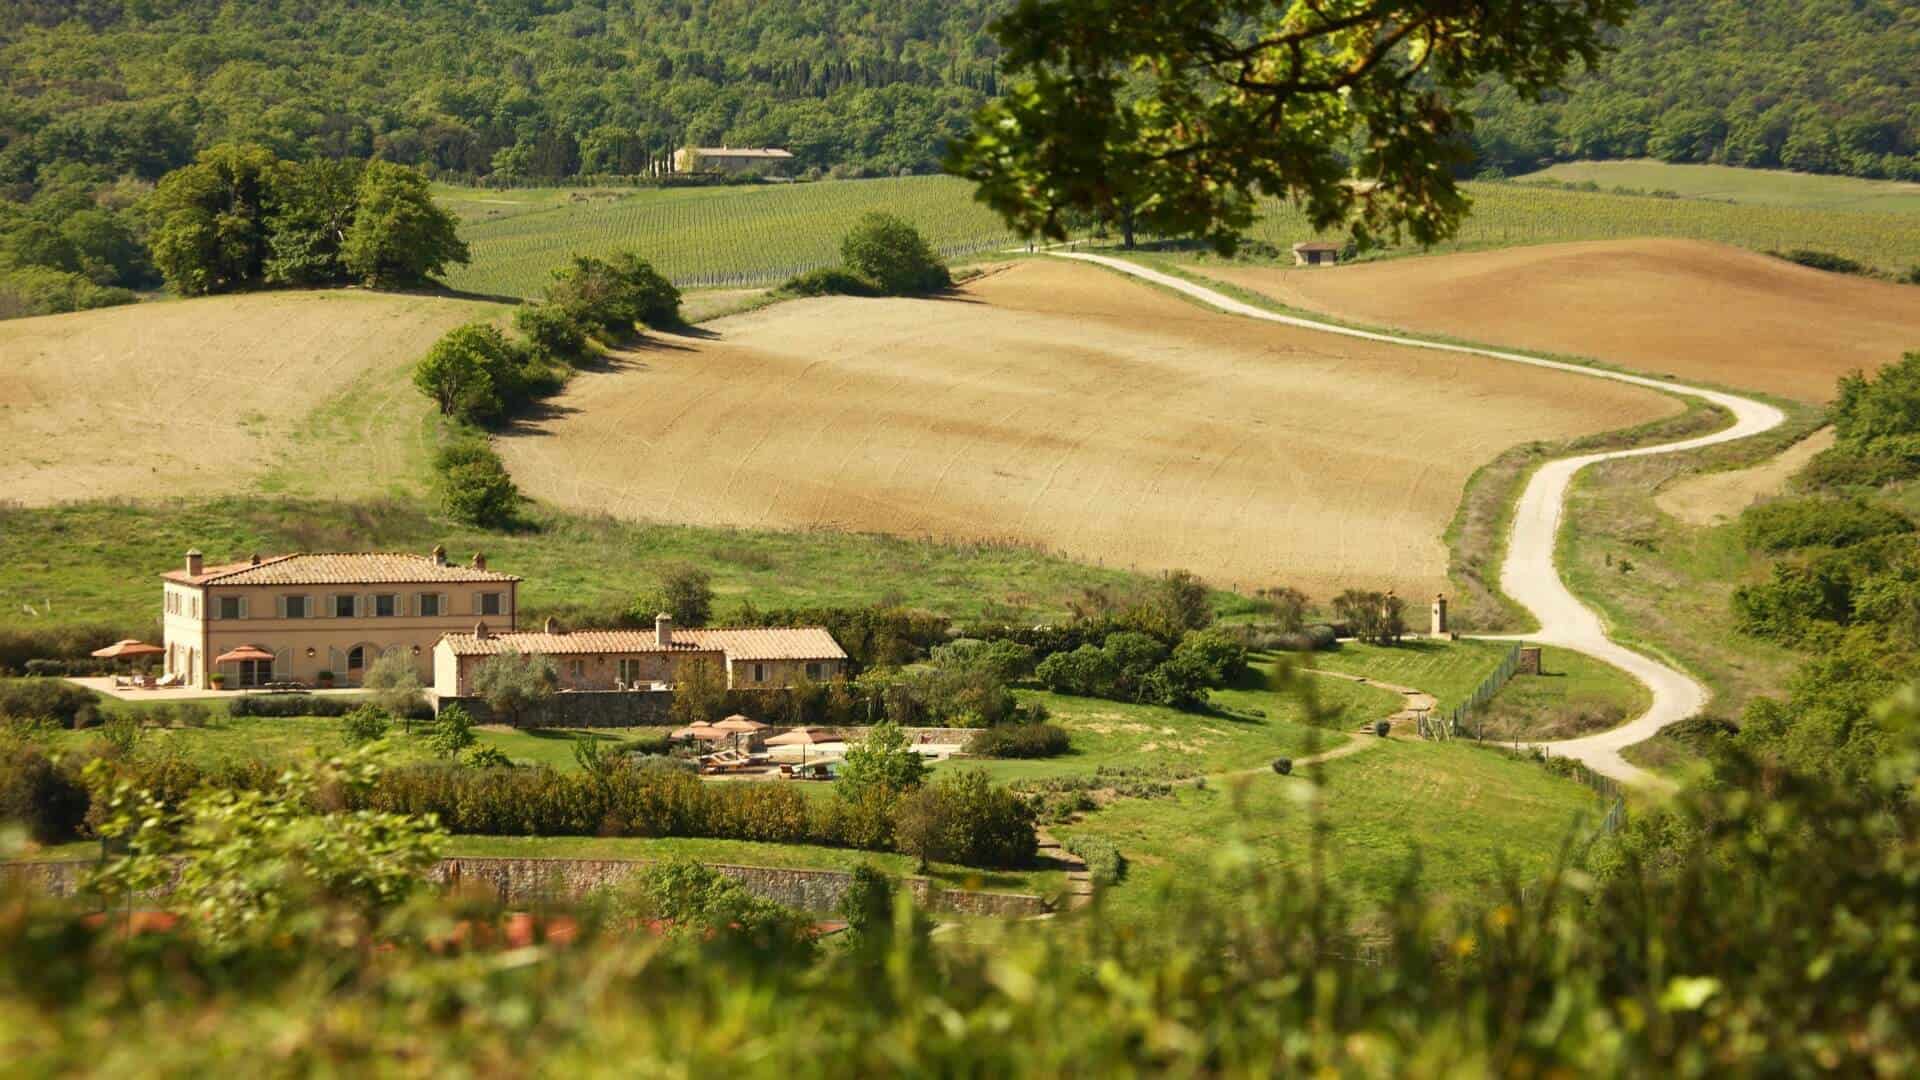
x=289, y=618
x=728, y=159
x=617, y=660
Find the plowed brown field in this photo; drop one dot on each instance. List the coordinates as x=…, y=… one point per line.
x=1685, y=308
x=307, y=390
x=1064, y=406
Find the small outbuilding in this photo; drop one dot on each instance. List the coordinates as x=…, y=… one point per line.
x=1317, y=253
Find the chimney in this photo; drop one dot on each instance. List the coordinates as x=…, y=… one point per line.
x=439, y=555
x=480, y=631
x=194, y=562
x=552, y=627
x=254, y=559
x=663, y=630
x=479, y=561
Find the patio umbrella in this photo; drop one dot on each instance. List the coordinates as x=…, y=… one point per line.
x=126, y=648
x=801, y=737
x=244, y=652
x=737, y=725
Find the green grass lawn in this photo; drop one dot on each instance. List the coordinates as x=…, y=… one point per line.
x=228, y=739
x=1046, y=881
x=1758, y=187
x=1449, y=670
x=99, y=562
x=1574, y=694
x=1113, y=733
x=1462, y=809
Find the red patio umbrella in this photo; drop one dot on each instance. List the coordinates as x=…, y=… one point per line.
x=244, y=652
x=128, y=647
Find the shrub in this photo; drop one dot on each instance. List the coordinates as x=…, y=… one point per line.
x=1020, y=741
x=514, y=685
x=289, y=705
x=892, y=254
x=551, y=332
x=365, y=724
x=1799, y=595
x=920, y=827
x=395, y=684
x=1283, y=766
x=609, y=296
x=486, y=756
x=883, y=759
x=867, y=905
x=1381, y=728
x=1180, y=683
x=702, y=903
x=1003, y=659
x=829, y=281
x=48, y=699
x=1881, y=462
x=1887, y=405
x=49, y=801
x=1823, y=260
x=451, y=731
x=1105, y=864
x=1088, y=671
x=1786, y=524
x=475, y=487
x=1223, y=659
x=681, y=590
x=472, y=373
x=985, y=825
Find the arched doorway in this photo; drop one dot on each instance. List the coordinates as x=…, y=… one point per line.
x=359, y=659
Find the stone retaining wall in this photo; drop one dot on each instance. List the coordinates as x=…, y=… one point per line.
x=524, y=881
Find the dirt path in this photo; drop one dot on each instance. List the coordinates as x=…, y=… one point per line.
x=1529, y=574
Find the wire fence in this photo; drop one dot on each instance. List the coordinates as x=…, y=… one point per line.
x=1463, y=720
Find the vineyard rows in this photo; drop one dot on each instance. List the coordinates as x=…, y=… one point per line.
x=720, y=237
x=754, y=236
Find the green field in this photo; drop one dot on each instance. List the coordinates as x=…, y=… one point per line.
x=702, y=237
x=1119, y=734
x=1449, y=670
x=98, y=562
x=1727, y=183
x=761, y=234
x=1461, y=808
x=1511, y=215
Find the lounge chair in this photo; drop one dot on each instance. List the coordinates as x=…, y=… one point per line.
x=178, y=678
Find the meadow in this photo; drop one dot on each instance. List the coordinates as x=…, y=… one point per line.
x=757, y=235
x=98, y=562
x=1727, y=183
x=1453, y=810
x=711, y=237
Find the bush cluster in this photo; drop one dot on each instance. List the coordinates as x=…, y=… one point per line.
x=52, y=668
x=1104, y=862
x=979, y=824
x=1132, y=666
x=1020, y=741
x=1787, y=524
x=474, y=484
x=48, y=699
x=22, y=646
x=882, y=256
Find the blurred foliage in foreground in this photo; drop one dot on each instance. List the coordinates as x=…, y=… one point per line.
x=1765, y=922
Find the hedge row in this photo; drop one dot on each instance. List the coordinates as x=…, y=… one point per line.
x=984, y=825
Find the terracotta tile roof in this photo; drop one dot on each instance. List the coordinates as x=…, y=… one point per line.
x=801, y=643
x=348, y=568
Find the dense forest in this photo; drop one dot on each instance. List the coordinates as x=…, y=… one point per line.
x=101, y=98
x=1828, y=86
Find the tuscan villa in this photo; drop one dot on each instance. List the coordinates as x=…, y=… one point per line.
x=646, y=659
x=727, y=159
x=288, y=618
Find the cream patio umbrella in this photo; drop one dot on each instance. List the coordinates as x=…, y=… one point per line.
x=802, y=737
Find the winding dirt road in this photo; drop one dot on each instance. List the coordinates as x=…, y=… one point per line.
x=1529, y=574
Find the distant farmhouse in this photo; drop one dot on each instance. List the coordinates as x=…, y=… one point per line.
x=748, y=659
x=728, y=159
x=290, y=618
x=304, y=620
